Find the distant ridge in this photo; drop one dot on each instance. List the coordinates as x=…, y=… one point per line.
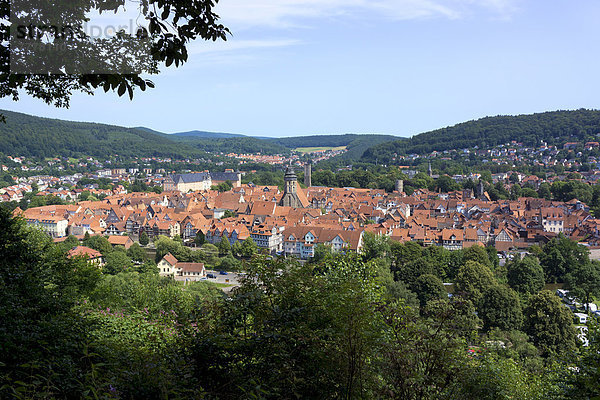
x=553, y=127
x=31, y=136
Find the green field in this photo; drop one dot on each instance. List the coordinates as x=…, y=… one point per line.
x=318, y=149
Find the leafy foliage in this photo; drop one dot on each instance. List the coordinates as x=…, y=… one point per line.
x=549, y=324
x=526, y=276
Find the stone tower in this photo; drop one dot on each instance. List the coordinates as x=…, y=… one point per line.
x=480, y=190
x=429, y=171
x=308, y=173
x=400, y=186
x=290, y=192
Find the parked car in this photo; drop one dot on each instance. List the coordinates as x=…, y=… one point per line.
x=211, y=276
x=223, y=272
x=581, y=318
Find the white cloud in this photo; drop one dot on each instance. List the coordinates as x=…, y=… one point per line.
x=200, y=47
x=285, y=13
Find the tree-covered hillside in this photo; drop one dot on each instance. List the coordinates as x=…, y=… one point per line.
x=29, y=136
x=355, y=144
x=555, y=128
x=239, y=145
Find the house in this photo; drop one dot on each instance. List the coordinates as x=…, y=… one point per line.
x=552, y=219
x=94, y=256
x=235, y=178
x=169, y=266
x=53, y=225
x=188, y=182
x=452, y=239
x=124, y=241
x=268, y=237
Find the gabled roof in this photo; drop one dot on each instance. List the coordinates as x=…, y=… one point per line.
x=170, y=259
x=85, y=252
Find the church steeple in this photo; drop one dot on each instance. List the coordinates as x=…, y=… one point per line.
x=290, y=192
x=291, y=180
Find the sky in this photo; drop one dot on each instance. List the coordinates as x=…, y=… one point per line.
x=399, y=67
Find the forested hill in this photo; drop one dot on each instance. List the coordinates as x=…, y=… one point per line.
x=356, y=144
x=555, y=128
x=220, y=143
x=30, y=136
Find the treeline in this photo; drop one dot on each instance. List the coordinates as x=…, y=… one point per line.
x=29, y=136
x=554, y=128
x=238, y=145
x=338, y=327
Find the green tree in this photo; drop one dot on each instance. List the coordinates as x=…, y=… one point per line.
x=501, y=308
x=116, y=262
x=429, y=287
x=148, y=267
x=560, y=256
x=495, y=378
x=41, y=337
x=99, y=243
x=477, y=254
x=409, y=272
x=166, y=44
x=249, y=248
x=144, y=239
x=200, y=238
x=424, y=357
x=529, y=192
x=515, y=192
x=544, y=191
x=236, y=249
x=473, y=280
x=224, y=247
x=229, y=214
x=584, y=281
x=549, y=324
x=446, y=184
x=526, y=276
x=401, y=253
x=70, y=242
x=229, y=263
x=375, y=246
x=85, y=195
x=583, y=384
x=137, y=253
x=281, y=317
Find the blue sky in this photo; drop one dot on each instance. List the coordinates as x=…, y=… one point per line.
x=400, y=67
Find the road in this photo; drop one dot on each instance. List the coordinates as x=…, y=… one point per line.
x=232, y=278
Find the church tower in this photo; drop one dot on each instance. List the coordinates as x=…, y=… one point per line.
x=429, y=171
x=290, y=193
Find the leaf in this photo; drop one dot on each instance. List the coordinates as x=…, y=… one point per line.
x=122, y=89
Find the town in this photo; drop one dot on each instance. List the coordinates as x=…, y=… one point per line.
x=294, y=220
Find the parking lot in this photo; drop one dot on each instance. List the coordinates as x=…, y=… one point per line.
x=232, y=278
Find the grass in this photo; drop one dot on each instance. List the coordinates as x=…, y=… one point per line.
x=222, y=285
x=318, y=149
